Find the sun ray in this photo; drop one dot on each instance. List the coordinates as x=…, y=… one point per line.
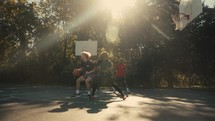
x=116, y=6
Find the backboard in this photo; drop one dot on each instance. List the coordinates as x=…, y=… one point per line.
x=89, y=46
x=188, y=11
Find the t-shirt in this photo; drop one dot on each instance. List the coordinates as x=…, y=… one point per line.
x=87, y=66
x=121, y=70
x=104, y=65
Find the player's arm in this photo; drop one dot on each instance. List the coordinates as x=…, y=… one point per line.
x=97, y=65
x=80, y=69
x=81, y=66
x=93, y=68
x=111, y=69
x=108, y=66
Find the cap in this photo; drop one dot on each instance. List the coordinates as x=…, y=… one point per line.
x=86, y=53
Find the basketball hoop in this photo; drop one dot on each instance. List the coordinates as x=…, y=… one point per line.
x=187, y=17
x=188, y=11
x=176, y=20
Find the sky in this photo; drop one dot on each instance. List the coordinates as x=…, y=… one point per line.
x=210, y=3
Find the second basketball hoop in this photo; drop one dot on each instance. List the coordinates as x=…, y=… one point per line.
x=188, y=11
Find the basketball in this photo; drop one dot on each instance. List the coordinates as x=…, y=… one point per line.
x=76, y=72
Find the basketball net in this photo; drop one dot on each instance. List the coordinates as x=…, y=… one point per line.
x=182, y=16
x=176, y=20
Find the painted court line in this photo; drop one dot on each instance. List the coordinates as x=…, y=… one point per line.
x=67, y=99
x=100, y=97
x=74, y=101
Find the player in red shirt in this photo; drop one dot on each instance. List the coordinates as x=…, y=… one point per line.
x=121, y=73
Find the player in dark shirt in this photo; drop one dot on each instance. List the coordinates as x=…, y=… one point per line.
x=88, y=73
x=105, y=72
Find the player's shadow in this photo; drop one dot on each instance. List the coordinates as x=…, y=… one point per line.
x=91, y=106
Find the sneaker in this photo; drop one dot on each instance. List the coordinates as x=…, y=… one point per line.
x=123, y=97
x=127, y=94
x=117, y=94
x=76, y=95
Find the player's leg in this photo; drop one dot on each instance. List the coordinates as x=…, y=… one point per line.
x=121, y=82
x=117, y=88
x=78, y=85
x=126, y=84
x=116, y=85
x=94, y=88
x=94, y=85
x=88, y=81
x=78, y=82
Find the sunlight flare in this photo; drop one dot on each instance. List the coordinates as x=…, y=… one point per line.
x=117, y=6
x=112, y=34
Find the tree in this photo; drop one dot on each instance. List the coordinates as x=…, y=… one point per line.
x=19, y=28
x=39, y=39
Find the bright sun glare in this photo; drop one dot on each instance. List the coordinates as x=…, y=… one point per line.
x=117, y=6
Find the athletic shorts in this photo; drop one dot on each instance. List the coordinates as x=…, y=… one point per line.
x=120, y=80
x=92, y=75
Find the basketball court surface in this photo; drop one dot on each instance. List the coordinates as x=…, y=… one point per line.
x=23, y=103
x=34, y=103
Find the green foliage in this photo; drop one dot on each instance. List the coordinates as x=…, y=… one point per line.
x=37, y=42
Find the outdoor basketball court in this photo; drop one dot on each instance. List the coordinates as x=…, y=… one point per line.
x=54, y=104
x=36, y=103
